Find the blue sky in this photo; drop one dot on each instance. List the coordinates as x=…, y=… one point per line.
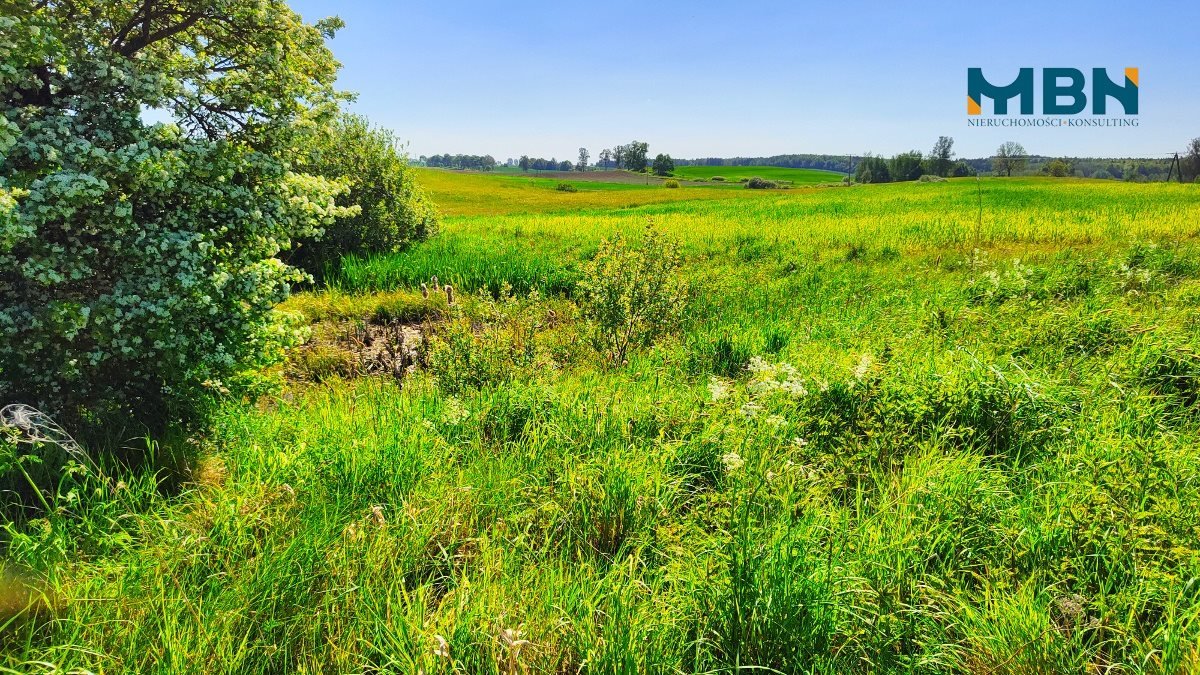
x=701, y=79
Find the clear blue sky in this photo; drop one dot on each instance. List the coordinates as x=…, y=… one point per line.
x=724, y=79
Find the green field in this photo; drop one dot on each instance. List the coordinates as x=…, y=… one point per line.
x=467, y=193
x=894, y=431
x=775, y=173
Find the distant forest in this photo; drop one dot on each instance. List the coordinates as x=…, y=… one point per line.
x=1128, y=168
x=1125, y=168
x=447, y=161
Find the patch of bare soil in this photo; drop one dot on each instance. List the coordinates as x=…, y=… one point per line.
x=346, y=349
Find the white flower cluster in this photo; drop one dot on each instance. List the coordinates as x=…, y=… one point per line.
x=136, y=261
x=454, y=412
x=766, y=377
x=719, y=388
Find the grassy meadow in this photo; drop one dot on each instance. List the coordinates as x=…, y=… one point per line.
x=922, y=428
x=460, y=193
x=775, y=173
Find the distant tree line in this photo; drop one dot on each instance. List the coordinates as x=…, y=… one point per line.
x=539, y=164
x=825, y=162
x=475, y=162
x=1010, y=160
x=632, y=156
x=912, y=165
x=940, y=162
x=1135, y=169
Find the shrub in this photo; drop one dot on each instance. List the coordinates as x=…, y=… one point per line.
x=718, y=179
x=464, y=355
x=670, y=183
x=393, y=211
x=566, y=187
x=138, y=263
x=757, y=183
x=930, y=178
x=632, y=294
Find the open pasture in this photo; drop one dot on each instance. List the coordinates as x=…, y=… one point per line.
x=887, y=434
x=732, y=174
x=461, y=193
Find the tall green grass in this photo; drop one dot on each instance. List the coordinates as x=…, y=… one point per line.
x=544, y=250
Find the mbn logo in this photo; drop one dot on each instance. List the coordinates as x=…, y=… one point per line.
x=1062, y=92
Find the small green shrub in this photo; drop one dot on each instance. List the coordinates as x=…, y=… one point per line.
x=930, y=178
x=463, y=355
x=632, y=294
x=718, y=179
x=751, y=247
x=757, y=183
x=566, y=187
x=670, y=183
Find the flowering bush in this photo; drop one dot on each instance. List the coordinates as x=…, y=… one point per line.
x=138, y=262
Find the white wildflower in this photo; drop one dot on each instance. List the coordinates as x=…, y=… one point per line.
x=794, y=387
x=718, y=388
x=758, y=365
x=769, y=377
x=732, y=461
x=863, y=367
x=454, y=412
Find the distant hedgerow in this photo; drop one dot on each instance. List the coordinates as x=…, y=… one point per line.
x=757, y=183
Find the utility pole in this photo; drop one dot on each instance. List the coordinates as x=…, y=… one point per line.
x=1175, y=168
